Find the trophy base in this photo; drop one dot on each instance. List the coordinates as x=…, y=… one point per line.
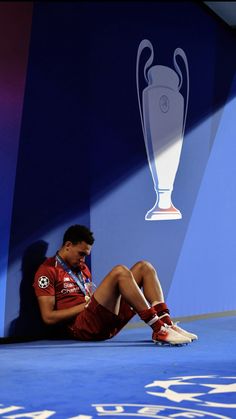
x=157, y=213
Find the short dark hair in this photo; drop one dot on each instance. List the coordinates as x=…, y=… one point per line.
x=78, y=233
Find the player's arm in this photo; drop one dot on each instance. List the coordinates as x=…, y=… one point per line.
x=51, y=316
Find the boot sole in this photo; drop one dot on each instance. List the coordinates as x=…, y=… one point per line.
x=161, y=343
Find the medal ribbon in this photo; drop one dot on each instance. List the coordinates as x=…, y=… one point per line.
x=78, y=279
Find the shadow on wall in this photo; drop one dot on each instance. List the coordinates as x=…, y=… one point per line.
x=29, y=323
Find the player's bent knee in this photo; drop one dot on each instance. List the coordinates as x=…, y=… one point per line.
x=121, y=271
x=144, y=265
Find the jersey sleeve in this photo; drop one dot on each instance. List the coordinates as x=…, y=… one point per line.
x=44, y=282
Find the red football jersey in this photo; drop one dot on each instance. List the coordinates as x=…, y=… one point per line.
x=52, y=280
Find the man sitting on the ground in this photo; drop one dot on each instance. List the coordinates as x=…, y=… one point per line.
x=63, y=287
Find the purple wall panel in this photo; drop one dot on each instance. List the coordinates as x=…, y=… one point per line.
x=15, y=26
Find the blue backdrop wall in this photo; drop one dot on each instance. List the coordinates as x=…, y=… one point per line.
x=82, y=158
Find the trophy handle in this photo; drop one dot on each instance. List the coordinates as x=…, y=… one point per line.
x=182, y=54
x=145, y=43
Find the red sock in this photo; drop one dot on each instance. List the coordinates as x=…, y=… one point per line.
x=150, y=317
x=163, y=312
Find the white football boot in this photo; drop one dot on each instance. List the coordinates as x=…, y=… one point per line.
x=181, y=331
x=167, y=336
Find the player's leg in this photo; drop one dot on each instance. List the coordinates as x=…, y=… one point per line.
x=146, y=277
x=120, y=282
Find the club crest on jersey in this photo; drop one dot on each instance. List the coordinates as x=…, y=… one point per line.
x=43, y=282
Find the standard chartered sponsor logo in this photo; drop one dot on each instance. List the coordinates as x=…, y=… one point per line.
x=69, y=285
x=68, y=290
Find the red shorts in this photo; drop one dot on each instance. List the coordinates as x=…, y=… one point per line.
x=96, y=322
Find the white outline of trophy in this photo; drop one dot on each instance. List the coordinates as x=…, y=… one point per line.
x=163, y=118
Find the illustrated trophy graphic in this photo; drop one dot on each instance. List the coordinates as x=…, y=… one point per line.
x=163, y=113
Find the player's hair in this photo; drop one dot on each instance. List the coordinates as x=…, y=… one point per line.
x=78, y=233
